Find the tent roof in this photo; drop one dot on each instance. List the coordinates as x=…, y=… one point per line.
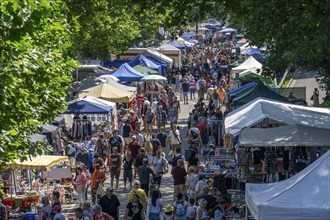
x=89, y=105
x=109, y=93
x=39, y=163
x=251, y=51
x=242, y=41
x=168, y=47
x=304, y=196
x=248, y=64
x=121, y=86
x=49, y=128
x=158, y=56
x=290, y=135
x=143, y=61
x=228, y=30
x=84, y=84
x=126, y=73
x=37, y=137
x=242, y=87
x=255, y=111
x=176, y=44
x=143, y=69
x=259, y=90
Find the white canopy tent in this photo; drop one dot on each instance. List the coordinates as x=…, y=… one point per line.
x=248, y=64
x=304, y=196
x=159, y=56
x=290, y=135
x=259, y=109
x=168, y=47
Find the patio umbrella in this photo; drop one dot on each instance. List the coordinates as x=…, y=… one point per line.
x=154, y=78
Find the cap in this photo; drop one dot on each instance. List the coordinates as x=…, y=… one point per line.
x=56, y=208
x=136, y=182
x=169, y=208
x=134, y=137
x=109, y=189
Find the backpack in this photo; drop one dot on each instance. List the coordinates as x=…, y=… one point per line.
x=212, y=211
x=175, y=160
x=180, y=209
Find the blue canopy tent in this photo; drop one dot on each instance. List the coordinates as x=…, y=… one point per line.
x=251, y=51
x=115, y=63
x=81, y=106
x=143, y=61
x=90, y=105
x=125, y=73
x=176, y=44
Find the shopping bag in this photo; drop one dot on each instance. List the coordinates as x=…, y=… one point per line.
x=100, y=190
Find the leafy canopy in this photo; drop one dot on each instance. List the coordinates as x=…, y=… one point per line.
x=34, y=69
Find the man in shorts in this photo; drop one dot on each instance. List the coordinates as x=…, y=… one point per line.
x=149, y=120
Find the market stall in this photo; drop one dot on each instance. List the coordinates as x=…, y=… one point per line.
x=99, y=112
x=303, y=196
x=27, y=197
x=263, y=112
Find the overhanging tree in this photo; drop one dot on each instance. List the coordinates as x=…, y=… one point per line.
x=35, y=72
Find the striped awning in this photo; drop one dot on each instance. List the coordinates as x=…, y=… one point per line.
x=39, y=163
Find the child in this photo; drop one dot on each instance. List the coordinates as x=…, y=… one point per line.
x=168, y=213
x=192, y=210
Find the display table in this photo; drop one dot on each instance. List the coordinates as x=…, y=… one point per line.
x=24, y=201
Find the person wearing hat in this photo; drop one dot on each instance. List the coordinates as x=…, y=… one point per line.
x=168, y=215
x=110, y=203
x=57, y=211
x=140, y=194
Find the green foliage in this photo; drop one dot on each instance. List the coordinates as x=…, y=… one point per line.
x=34, y=69
x=290, y=30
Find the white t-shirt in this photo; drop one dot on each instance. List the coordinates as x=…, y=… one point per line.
x=154, y=209
x=158, y=164
x=173, y=139
x=199, y=185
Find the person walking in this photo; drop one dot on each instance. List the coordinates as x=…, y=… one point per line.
x=174, y=138
x=192, y=88
x=110, y=203
x=98, y=179
x=155, y=205
x=160, y=167
x=128, y=162
x=180, y=207
x=201, y=210
x=141, y=194
x=134, y=209
x=80, y=214
x=179, y=175
x=149, y=121
x=161, y=117
x=99, y=215
x=115, y=165
x=144, y=175
x=81, y=180
x=185, y=91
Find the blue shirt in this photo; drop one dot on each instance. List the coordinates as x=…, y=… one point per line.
x=185, y=87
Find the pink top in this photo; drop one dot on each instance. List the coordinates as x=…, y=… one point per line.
x=81, y=180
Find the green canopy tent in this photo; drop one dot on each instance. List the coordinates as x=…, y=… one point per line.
x=260, y=90
x=143, y=69
x=250, y=76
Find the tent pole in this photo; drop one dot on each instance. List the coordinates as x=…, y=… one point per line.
x=47, y=180
x=11, y=188
x=109, y=123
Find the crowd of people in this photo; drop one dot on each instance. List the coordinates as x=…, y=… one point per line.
x=137, y=149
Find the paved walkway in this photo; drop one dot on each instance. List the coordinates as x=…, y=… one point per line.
x=167, y=181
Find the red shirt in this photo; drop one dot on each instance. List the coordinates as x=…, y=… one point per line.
x=179, y=175
x=134, y=147
x=138, y=99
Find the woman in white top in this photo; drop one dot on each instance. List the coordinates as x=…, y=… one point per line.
x=191, y=182
x=155, y=205
x=201, y=210
x=159, y=164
